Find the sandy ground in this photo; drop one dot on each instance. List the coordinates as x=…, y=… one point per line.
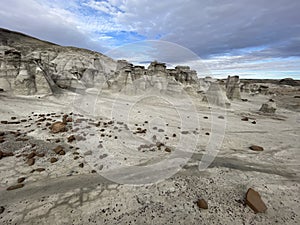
x=114, y=173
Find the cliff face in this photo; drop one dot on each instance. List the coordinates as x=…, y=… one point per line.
x=30, y=66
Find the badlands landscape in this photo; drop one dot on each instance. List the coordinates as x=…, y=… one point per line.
x=86, y=139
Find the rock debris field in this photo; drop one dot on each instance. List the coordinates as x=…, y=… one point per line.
x=54, y=160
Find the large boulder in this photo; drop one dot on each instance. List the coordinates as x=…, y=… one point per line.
x=269, y=107
x=215, y=95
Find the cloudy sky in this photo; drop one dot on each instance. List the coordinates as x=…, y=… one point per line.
x=250, y=38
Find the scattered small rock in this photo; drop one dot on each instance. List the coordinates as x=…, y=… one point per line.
x=53, y=160
x=202, y=204
x=31, y=155
x=221, y=117
x=40, y=169
x=17, y=186
x=5, y=154
x=88, y=152
x=2, y=209
x=253, y=122
x=256, y=148
x=31, y=161
x=167, y=149
x=81, y=165
x=245, y=119
x=71, y=138
x=254, y=201
x=21, y=179
x=59, y=150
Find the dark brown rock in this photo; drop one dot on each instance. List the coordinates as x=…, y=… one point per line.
x=21, y=179
x=81, y=165
x=40, y=155
x=59, y=150
x=5, y=154
x=254, y=201
x=40, y=169
x=245, y=119
x=202, y=204
x=256, y=148
x=71, y=138
x=2, y=139
x=31, y=155
x=31, y=161
x=53, y=160
x=159, y=144
x=17, y=186
x=167, y=149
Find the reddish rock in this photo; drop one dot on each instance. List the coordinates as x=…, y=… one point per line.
x=256, y=148
x=17, y=186
x=58, y=127
x=202, y=204
x=254, y=201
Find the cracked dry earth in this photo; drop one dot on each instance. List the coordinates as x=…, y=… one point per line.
x=63, y=178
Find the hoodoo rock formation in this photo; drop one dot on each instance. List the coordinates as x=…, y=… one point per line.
x=29, y=66
x=233, y=88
